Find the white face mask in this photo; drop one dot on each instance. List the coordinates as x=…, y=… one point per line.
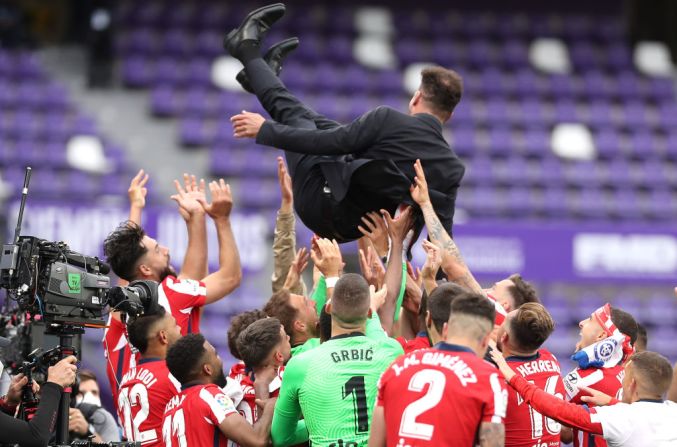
x=88, y=398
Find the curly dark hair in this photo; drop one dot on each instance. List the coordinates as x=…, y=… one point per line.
x=138, y=330
x=238, y=324
x=123, y=249
x=185, y=356
x=257, y=340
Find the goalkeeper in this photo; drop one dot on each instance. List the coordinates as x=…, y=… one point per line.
x=334, y=385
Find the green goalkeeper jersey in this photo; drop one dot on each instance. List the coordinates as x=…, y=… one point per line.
x=333, y=387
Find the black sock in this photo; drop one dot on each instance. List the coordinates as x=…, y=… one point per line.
x=248, y=50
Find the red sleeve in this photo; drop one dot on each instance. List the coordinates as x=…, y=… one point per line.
x=382, y=382
x=573, y=415
x=402, y=342
x=184, y=293
x=117, y=353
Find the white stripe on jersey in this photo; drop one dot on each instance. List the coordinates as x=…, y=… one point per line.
x=589, y=380
x=186, y=287
x=219, y=409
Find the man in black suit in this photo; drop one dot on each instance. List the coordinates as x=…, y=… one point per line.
x=341, y=172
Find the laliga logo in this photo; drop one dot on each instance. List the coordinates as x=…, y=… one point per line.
x=606, y=349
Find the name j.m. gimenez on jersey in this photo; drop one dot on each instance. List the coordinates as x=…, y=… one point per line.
x=451, y=362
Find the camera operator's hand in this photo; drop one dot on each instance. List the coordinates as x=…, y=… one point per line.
x=15, y=388
x=63, y=373
x=77, y=422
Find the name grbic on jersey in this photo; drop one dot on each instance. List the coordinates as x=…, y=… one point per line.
x=144, y=392
x=334, y=387
x=440, y=396
x=524, y=426
x=607, y=380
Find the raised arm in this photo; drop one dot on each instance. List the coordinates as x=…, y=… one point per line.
x=350, y=138
x=452, y=262
x=189, y=198
x=228, y=276
x=397, y=231
x=284, y=240
x=137, y=196
x=326, y=256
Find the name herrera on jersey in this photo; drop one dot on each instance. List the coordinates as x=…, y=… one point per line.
x=537, y=366
x=352, y=354
x=451, y=362
x=145, y=376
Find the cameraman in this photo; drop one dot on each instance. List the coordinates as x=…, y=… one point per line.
x=39, y=430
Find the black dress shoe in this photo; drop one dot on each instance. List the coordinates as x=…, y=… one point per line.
x=273, y=57
x=253, y=27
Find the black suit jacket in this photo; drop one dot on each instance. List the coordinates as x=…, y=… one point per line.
x=375, y=155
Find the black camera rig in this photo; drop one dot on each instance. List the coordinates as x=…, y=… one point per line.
x=49, y=284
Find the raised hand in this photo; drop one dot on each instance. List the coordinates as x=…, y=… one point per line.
x=193, y=188
x=419, y=190
x=398, y=227
x=377, y=297
x=372, y=268
x=433, y=260
x=247, y=124
x=296, y=268
x=327, y=257
x=188, y=199
x=285, y=186
x=222, y=200
x=375, y=231
x=137, y=190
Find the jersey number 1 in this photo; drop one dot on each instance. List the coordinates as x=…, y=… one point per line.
x=355, y=386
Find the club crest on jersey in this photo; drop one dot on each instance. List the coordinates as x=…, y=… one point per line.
x=605, y=349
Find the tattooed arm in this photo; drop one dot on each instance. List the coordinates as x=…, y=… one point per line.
x=453, y=264
x=492, y=435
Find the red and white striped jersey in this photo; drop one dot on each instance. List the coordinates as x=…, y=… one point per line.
x=180, y=297
x=192, y=418
x=607, y=380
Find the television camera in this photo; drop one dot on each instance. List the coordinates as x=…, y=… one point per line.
x=52, y=287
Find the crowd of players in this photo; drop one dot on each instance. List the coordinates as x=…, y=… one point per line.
x=391, y=356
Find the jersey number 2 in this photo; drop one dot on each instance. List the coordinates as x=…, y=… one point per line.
x=408, y=426
x=355, y=386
